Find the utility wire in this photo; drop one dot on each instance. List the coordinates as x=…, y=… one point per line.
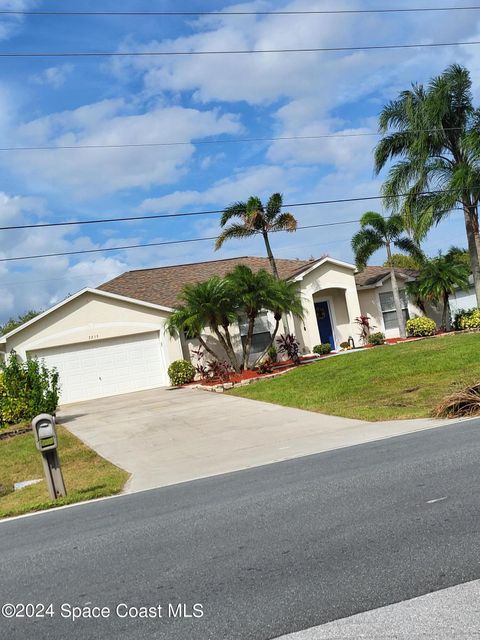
x=187, y=214
x=166, y=242
x=238, y=13
x=229, y=141
x=123, y=54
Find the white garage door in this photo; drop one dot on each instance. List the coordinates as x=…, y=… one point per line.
x=107, y=367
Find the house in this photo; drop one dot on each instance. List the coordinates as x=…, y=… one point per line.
x=112, y=339
x=463, y=300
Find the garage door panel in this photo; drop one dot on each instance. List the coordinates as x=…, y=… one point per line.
x=108, y=367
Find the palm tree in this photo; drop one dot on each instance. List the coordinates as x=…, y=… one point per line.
x=254, y=292
x=209, y=304
x=439, y=279
x=436, y=142
x=256, y=219
x=377, y=233
x=286, y=299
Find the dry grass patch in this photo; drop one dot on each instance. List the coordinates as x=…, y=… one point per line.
x=461, y=404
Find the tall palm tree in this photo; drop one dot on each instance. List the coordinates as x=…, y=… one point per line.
x=255, y=219
x=439, y=278
x=436, y=144
x=376, y=233
x=209, y=304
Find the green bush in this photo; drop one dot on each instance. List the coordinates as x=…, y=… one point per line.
x=468, y=319
x=417, y=327
x=322, y=349
x=181, y=372
x=345, y=345
x=272, y=353
x=26, y=389
x=376, y=338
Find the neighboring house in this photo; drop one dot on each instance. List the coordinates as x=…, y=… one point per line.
x=112, y=339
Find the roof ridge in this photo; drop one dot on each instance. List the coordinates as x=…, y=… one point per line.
x=191, y=264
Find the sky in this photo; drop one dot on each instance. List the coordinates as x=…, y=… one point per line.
x=209, y=103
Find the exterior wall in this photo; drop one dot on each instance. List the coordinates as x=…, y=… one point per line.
x=370, y=305
x=72, y=323
x=463, y=300
x=336, y=284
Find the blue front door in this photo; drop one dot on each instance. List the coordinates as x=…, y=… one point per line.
x=324, y=323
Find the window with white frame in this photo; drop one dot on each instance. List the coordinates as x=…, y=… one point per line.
x=387, y=304
x=261, y=332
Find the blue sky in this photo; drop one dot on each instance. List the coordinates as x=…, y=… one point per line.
x=58, y=101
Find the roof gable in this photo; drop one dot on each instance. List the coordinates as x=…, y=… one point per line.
x=373, y=276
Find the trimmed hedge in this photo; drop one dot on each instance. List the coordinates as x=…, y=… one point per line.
x=181, y=372
x=418, y=327
x=468, y=319
x=322, y=349
x=376, y=338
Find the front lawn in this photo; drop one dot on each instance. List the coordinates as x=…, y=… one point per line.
x=86, y=474
x=406, y=380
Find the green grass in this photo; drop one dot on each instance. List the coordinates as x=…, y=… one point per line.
x=406, y=380
x=85, y=473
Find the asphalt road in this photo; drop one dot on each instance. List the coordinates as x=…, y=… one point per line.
x=266, y=552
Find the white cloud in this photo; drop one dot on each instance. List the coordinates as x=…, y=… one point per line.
x=53, y=76
x=10, y=25
x=116, y=121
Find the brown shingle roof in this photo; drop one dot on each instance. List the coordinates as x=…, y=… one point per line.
x=370, y=275
x=162, y=285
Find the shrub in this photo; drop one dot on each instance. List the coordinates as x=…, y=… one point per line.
x=181, y=372
x=272, y=353
x=468, y=319
x=219, y=369
x=417, y=327
x=26, y=389
x=322, y=349
x=289, y=345
x=345, y=346
x=465, y=402
x=265, y=366
x=376, y=338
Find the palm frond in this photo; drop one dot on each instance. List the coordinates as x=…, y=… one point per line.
x=364, y=244
x=235, y=210
x=234, y=231
x=284, y=222
x=274, y=206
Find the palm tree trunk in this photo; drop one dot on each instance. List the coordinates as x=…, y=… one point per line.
x=396, y=294
x=274, y=335
x=248, y=342
x=273, y=265
x=473, y=237
x=446, y=312
x=207, y=348
x=228, y=349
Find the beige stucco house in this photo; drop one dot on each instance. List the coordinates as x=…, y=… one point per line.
x=112, y=339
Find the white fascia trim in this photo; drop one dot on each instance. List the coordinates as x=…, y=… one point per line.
x=105, y=294
x=319, y=263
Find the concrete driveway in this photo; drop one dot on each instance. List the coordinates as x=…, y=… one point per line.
x=166, y=436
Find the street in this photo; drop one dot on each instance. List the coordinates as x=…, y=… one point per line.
x=262, y=552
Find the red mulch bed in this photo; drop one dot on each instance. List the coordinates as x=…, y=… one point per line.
x=248, y=374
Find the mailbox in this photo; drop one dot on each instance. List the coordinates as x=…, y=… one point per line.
x=45, y=433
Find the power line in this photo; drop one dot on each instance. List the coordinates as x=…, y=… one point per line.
x=153, y=244
x=166, y=242
x=229, y=141
x=238, y=13
x=187, y=214
x=95, y=54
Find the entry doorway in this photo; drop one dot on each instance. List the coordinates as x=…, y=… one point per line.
x=324, y=321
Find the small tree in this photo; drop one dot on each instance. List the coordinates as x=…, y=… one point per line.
x=439, y=279
x=378, y=233
x=14, y=323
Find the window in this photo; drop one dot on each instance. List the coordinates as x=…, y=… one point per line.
x=387, y=305
x=261, y=332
